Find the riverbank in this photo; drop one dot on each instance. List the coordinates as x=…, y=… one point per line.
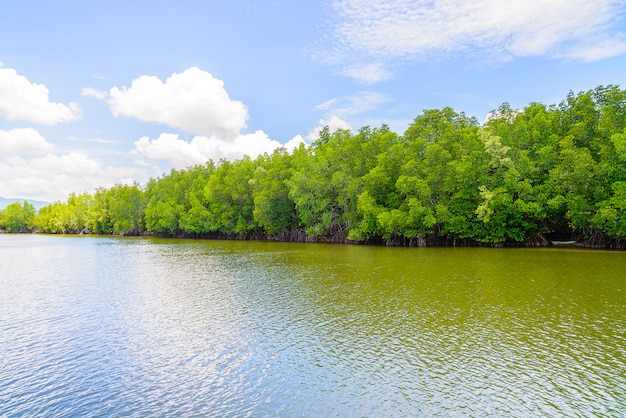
x=302, y=237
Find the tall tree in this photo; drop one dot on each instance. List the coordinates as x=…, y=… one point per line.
x=18, y=217
x=274, y=210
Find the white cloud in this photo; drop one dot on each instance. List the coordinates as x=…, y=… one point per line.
x=596, y=50
x=75, y=164
x=169, y=147
x=294, y=143
x=180, y=153
x=193, y=101
x=22, y=100
x=26, y=141
x=91, y=92
x=368, y=35
x=54, y=176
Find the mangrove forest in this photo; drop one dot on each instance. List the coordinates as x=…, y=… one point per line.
x=523, y=177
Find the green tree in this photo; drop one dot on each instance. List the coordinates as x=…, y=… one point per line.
x=274, y=210
x=229, y=199
x=50, y=219
x=126, y=208
x=18, y=217
x=196, y=218
x=450, y=169
x=167, y=200
x=328, y=179
x=525, y=174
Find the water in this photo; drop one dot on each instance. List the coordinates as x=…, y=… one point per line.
x=145, y=327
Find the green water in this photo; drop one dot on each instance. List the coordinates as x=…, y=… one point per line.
x=236, y=328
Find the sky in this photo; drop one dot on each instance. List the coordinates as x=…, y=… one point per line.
x=94, y=93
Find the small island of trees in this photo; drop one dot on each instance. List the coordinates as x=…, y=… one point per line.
x=524, y=177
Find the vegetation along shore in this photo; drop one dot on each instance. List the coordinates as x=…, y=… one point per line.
x=524, y=177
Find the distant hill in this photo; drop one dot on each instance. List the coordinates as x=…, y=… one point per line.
x=4, y=202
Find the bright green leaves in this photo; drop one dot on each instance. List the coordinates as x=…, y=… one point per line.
x=611, y=214
x=497, y=152
x=18, y=217
x=167, y=201
x=330, y=177
x=228, y=193
x=619, y=144
x=420, y=219
x=526, y=174
x=79, y=214
x=274, y=211
x=125, y=208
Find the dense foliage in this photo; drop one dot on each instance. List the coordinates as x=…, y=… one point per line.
x=18, y=217
x=523, y=177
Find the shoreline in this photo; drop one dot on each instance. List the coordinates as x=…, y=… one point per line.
x=433, y=242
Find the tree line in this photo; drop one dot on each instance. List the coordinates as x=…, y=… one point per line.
x=521, y=178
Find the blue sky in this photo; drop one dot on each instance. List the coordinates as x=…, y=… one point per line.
x=94, y=93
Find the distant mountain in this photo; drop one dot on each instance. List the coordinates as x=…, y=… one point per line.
x=4, y=202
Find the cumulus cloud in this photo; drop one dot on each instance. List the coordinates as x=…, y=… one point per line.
x=22, y=100
x=26, y=141
x=294, y=143
x=369, y=35
x=54, y=176
x=180, y=153
x=193, y=101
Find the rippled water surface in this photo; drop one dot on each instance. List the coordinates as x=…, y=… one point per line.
x=145, y=327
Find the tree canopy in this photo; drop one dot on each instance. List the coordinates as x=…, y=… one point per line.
x=521, y=178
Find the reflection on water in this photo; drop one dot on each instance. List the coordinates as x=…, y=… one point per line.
x=144, y=327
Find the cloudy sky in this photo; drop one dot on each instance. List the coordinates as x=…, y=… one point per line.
x=93, y=92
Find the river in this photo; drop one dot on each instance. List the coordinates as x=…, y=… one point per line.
x=104, y=326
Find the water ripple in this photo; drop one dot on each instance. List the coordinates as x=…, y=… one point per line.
x=145, y=328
